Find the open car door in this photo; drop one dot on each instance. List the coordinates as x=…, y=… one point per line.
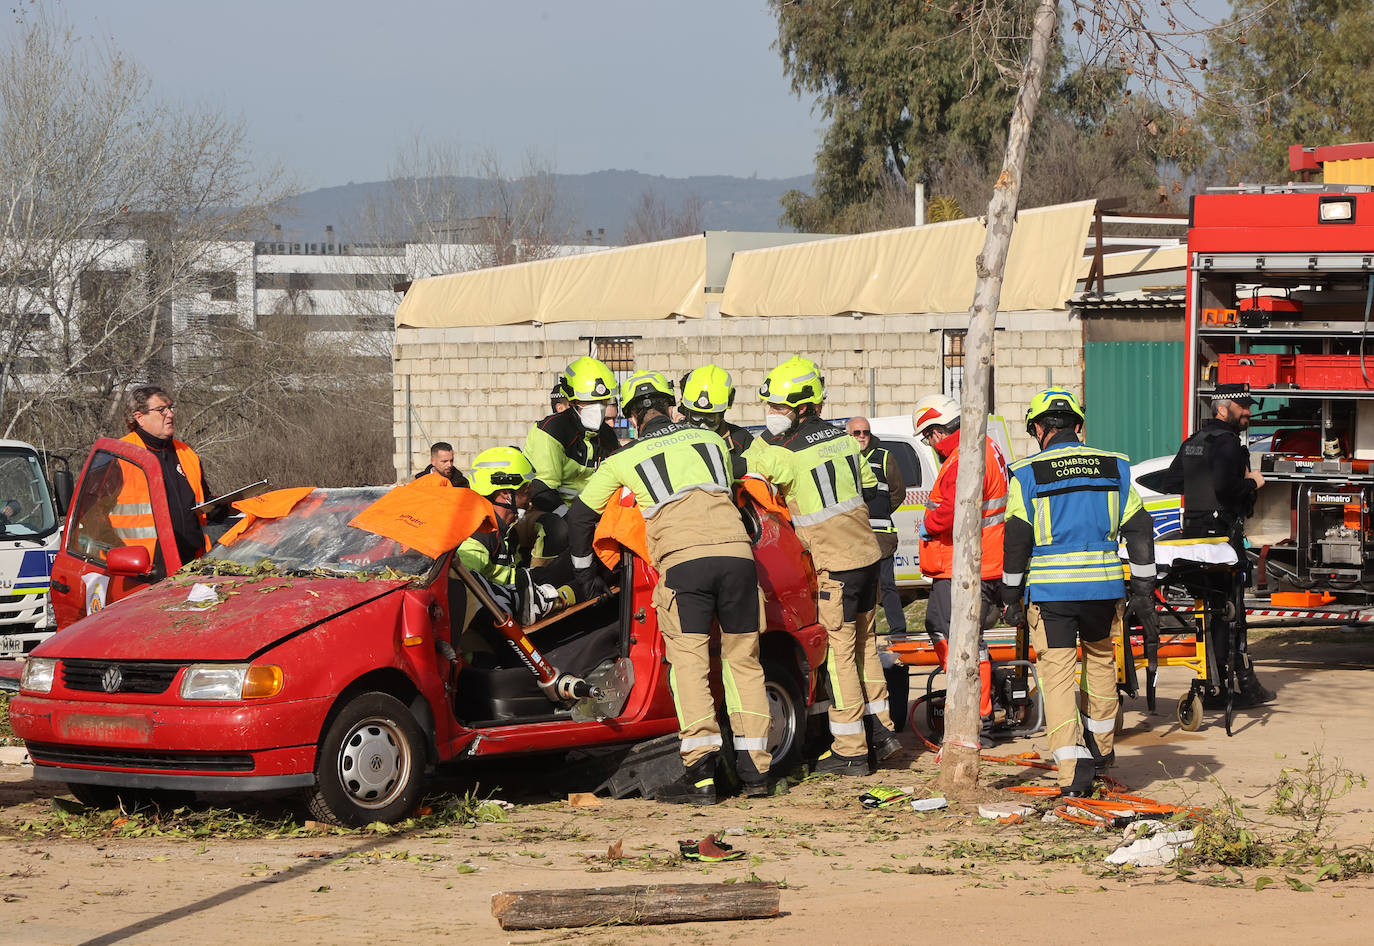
x=120, y=502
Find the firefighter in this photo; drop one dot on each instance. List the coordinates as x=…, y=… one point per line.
x=817, y=468
x=936, y=420
x=503, y=475
x=1212, y=471
x=681, y=479
x=151, y=419
x=704, y=396
x=1068, y=507
x=565, y=448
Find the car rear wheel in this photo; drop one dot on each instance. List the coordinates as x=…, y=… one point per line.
x=370, y=765
x=787, y=714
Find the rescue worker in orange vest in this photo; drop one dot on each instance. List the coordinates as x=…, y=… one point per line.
x=151, y=417
x=936, y=420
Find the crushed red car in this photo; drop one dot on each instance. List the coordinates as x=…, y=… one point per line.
x=316, y=656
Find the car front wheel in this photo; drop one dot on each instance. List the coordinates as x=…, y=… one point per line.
x=370, y=765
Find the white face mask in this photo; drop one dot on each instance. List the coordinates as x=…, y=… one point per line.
x=778, y=424
x=592, y=415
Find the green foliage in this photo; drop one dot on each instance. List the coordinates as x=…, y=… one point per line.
x=6, y=731
x=1287, y=73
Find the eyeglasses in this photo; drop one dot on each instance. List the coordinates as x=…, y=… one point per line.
x=164, y=409
x=860, y=433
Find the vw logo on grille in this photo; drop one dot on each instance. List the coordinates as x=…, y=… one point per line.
x=111, y=680
x=376, y=763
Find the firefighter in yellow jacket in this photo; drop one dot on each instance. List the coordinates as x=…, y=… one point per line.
x=819, y=470
x=681, y=479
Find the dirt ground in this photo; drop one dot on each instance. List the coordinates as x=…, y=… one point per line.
x=851, y=875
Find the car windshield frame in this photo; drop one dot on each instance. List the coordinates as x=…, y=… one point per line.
x=35, y=497
x=314, y=539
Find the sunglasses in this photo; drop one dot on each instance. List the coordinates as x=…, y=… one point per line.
x=860, y=433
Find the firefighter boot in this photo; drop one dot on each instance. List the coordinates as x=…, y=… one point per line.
x=832, y=763
x=537, y=601
x=1101, y=763
x=1252, y=692
x=1083, y=774
x=695, y=786
x=885, y=743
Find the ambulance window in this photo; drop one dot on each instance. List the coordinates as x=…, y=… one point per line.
x=92, y=535
x=907, y=462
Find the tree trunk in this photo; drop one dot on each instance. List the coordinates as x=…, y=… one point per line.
x=959, y=756
x=634, y=905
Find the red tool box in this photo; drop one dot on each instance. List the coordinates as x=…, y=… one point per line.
x=1258, y=371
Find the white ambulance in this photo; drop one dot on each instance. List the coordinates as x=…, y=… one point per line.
x=30, y=534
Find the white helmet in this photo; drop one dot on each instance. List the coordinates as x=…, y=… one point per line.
x=934, y=409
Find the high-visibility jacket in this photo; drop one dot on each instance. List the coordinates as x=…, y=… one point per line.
x=937, y=552
x=1074, y=499
x=818, y=469
x=493, y=555
x=666, y=466
x=891, y=489
x=132, y=516
x=565, y=454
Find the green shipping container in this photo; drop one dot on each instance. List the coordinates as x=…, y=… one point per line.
x=1134, y=397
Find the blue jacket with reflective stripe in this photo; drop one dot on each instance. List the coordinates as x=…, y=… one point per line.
x=1074, y=499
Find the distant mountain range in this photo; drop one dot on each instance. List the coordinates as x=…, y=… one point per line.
x=601, y=201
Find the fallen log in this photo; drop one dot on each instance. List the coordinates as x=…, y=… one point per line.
x=634, y=905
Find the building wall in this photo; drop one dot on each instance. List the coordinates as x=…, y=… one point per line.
x=480, y=387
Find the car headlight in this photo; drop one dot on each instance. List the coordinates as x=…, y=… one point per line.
x=231, y=682
x=38, y=674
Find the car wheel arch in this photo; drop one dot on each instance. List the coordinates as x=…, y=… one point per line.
x=392, y=682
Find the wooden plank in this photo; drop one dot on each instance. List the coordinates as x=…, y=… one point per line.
x=635, y=905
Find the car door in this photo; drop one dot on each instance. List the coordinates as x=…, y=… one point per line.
x=81, y=583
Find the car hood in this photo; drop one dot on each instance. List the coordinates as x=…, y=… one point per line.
x=247, y=616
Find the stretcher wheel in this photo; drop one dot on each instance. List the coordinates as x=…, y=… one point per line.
x=1190, y=712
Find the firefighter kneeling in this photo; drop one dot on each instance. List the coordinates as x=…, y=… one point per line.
x=1066, y=507
x=681, y=479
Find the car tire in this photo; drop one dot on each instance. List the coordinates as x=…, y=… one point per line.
x=370, y=764
x=787, y=712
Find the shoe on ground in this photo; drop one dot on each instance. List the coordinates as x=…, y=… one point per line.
x=695, y=786
x=1102, y=763
x=885, y=742
x=1084, y=772
x=766, y=788
x=1252, y=692
x=832, y=763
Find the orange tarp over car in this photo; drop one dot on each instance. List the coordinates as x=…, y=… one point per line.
x=431, y=517
x=271, y=505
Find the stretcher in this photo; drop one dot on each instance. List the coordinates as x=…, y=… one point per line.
x=1192, y=613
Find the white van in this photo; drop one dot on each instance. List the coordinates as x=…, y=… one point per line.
x=30, y=532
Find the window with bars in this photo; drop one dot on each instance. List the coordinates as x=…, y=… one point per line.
x=952, y=365
x=618, y=354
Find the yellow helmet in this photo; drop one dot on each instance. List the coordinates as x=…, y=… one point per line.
x=795, y=382
x=706, y=390
x=588, y=380
x=644, y=384
x=1053, y=401
x=499, y=468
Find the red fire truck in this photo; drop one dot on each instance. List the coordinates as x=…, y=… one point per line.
x=1280, y=291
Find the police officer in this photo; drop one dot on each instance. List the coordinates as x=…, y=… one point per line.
x=1212, y=471
x=681, y=479
x=565, y=448
x=503, y=475
x=705, y=394
x=817, y=468
x=936, y=420
x=1067, y=508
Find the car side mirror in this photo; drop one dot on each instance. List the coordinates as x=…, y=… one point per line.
x=63, y=489
x=129, y=561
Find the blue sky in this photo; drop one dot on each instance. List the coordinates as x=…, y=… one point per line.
x=329, y=88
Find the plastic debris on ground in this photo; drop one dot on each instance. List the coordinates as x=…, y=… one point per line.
x=1150, y=845
x=1001, y=811
x=929, y=804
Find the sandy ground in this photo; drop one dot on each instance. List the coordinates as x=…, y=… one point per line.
x=852, y=876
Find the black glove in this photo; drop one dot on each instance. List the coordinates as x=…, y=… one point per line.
x=1141, y=603
x=588, y=582
x=1013, y=610
x=544, y=498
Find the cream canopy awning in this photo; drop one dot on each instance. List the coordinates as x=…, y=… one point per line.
x=912, y=270
x=650, y=281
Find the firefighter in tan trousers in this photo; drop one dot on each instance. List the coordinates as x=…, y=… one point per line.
x=681, y=479
x=819, y=470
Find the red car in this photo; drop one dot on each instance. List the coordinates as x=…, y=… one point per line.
x=311, y=655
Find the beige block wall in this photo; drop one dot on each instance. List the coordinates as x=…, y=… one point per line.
x=482, y=387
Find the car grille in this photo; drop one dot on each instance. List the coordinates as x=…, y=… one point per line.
x=100, y=676
x=49, y=754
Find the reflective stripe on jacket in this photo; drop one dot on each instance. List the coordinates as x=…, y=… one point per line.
x=132, y=515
